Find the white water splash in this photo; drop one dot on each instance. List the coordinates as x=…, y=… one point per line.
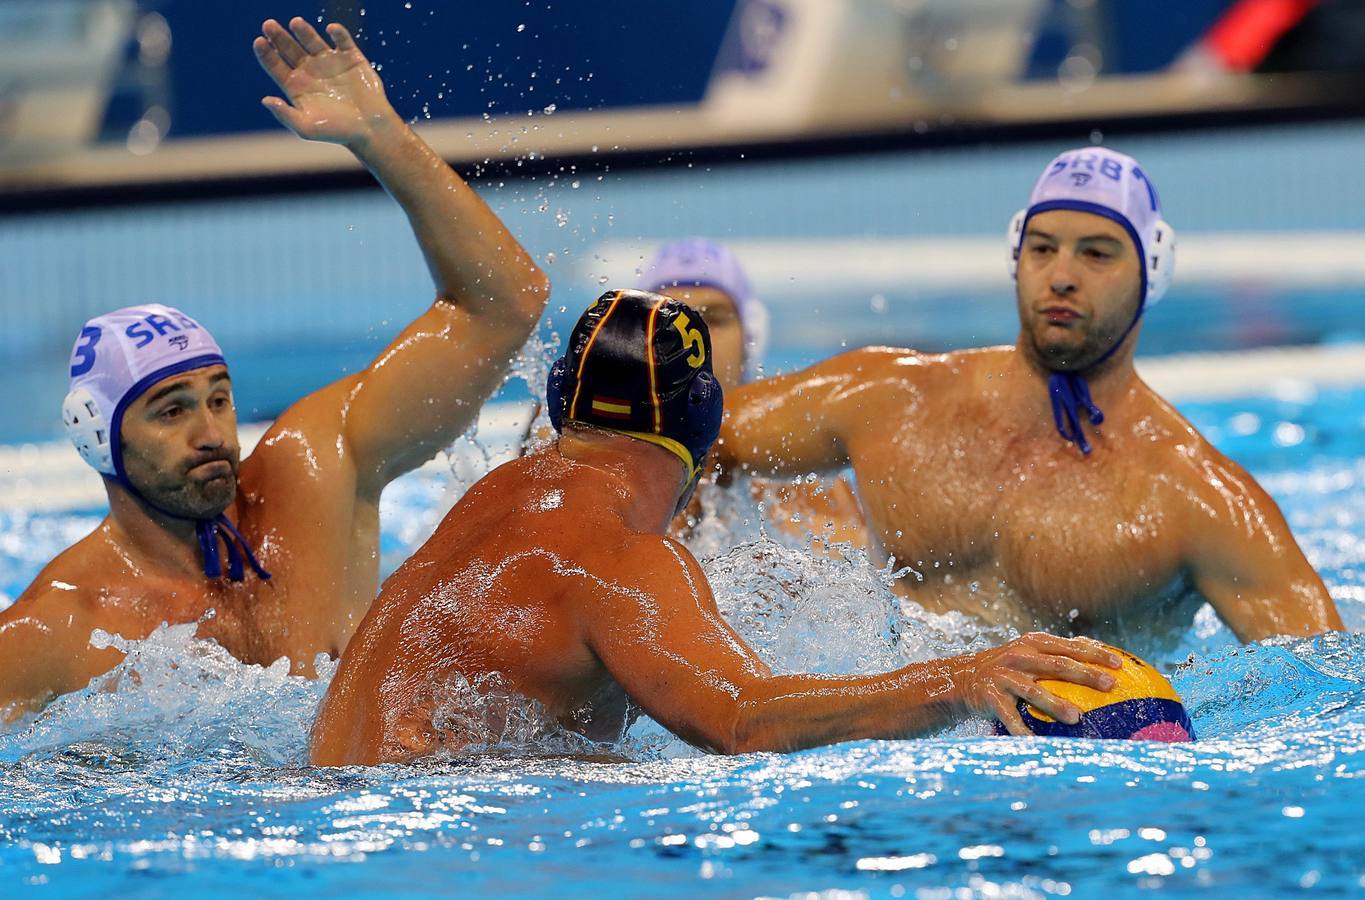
x=178, y=696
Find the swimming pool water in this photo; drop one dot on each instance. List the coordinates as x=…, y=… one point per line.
x=193, y=780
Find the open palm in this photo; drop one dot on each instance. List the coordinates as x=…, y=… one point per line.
x=334, y=94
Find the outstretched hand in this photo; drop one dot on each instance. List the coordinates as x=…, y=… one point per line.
x=998, y=679
x=334, y=93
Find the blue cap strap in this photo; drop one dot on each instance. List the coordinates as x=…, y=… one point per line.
x=208, y=545
x=208, y=531
x=1070, y=392
x=1070, y=395
x=233, y=539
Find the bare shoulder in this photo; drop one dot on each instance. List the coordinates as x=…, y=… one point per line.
x=307, y=432
x=53, y=618
x=642, y=569
x=68, y=584
x=1202, y=475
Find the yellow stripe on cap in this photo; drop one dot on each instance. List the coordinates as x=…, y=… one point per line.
x=578, y=376
x=604, y=406
x=659, y=440
x=653, y=373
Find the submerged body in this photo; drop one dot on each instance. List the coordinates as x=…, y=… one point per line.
x=962, y=477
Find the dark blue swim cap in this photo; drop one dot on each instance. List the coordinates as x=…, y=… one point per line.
x=640, y=364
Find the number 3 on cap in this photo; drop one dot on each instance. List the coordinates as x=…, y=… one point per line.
x=83, y=357
x=691, y=339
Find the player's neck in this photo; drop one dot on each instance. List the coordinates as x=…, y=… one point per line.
x=1110, y=383
x=647, y=476
x=151, y=540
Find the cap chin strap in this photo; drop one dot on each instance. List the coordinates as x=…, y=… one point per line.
x=1071, y=395
x=659, y=440
x=1068, y=390
x=672, y=446
x=208, y=531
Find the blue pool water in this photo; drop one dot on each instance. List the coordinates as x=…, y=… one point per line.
x=194, y=780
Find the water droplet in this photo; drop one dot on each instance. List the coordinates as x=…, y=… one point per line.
x=521, y=28
x=549, y=110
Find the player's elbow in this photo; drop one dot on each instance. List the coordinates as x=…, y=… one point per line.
x=749, y=728
x=529, y=303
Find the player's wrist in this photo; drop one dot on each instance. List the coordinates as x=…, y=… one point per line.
x=943, y=686
x=377, y=131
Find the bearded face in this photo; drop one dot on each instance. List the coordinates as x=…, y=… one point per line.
x=179, y=440
x=1078, y=288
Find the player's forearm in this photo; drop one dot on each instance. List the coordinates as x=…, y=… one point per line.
x=793, y=712
x=473, y=258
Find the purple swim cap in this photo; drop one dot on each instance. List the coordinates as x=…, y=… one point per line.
x=697, y=262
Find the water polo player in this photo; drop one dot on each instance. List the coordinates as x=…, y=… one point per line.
x=708, y=276
x=553, y=579
x=1045, y=485
x=283, y=549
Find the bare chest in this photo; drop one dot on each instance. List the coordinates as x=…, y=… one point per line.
x=1027, y=525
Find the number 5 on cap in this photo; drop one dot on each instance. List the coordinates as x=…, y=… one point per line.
x=691, y=339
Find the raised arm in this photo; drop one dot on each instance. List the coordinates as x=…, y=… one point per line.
x=798, y=423
x=427, y=386
x=658, y=632
x=1245, y=562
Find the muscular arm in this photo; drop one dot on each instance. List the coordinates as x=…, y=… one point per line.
x=45, y=652
x=1246, y=563
x=427, y=386
x=799, y=423
x=659, y=634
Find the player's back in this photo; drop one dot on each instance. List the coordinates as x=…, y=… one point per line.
x=490, y=592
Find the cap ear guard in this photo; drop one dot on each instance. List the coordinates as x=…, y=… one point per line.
x=88, y=428
x=1160, y=261
x=706, y=408
x=1160, y=254
x=1014, y=240
x=555, y=393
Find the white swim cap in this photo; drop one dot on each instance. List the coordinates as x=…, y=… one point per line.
x=1100, y=181
x=116, y=358
x=697, y=262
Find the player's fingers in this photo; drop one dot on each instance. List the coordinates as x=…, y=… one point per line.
x=1084, y=649
x=270, y=60
x=283, y=42
x=1007, y=712
x=307, y=35
x=340, y=36
x=1064, y=668
x=1025, y=688
x=287, y=115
